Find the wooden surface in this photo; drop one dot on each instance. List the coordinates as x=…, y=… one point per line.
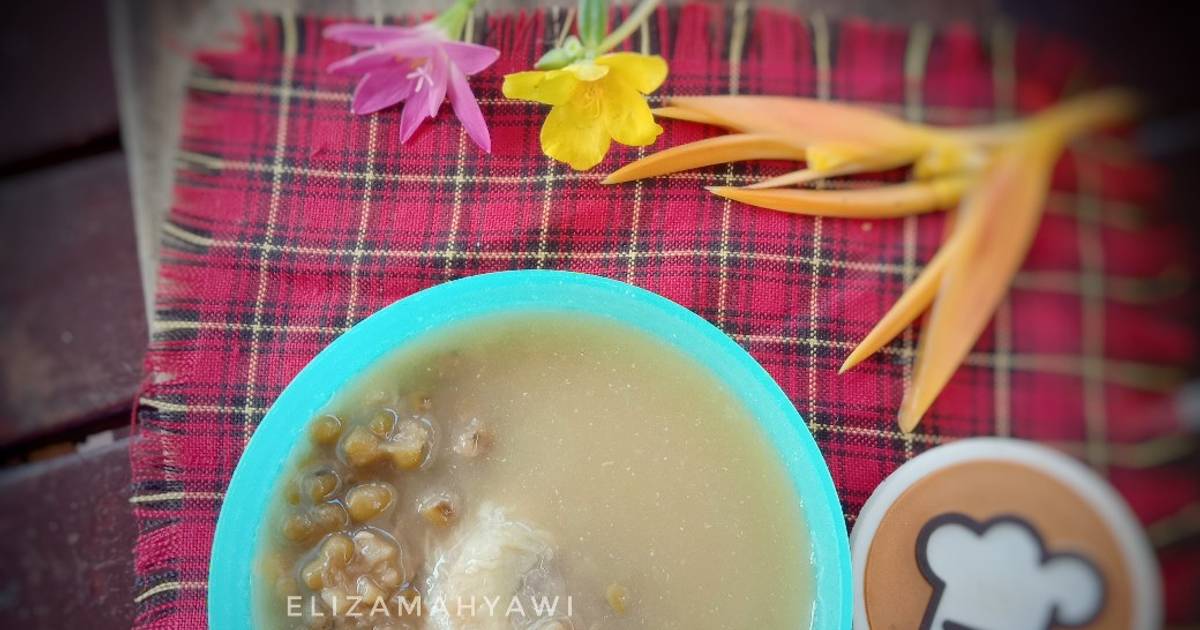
x=58, y=80
x=68, y=559
x=72, y=327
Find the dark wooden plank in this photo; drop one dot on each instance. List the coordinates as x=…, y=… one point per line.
x=68, y=556
x=58, y=79
x=72, y=326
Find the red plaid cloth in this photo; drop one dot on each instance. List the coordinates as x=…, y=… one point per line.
x=294, y=219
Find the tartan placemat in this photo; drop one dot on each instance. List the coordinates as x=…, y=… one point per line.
x=294, y=219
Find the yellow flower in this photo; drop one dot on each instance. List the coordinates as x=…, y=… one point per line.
x=594, y=102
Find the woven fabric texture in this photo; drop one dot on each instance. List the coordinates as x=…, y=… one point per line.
x=294, y=219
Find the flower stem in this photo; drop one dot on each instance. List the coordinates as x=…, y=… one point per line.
x=592, y=21
x=452, y=20
x=622, y=32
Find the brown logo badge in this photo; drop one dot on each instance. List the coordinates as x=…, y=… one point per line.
x=997, y=534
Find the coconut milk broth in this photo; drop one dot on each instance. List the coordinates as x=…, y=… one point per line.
x=637, y=462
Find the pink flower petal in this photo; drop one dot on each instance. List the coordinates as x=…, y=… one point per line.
x=381, y=88
x=470, y=58
x=467, y=109
x=369, y=35
x=416, y=110
x=381, y=56
x=439, y=70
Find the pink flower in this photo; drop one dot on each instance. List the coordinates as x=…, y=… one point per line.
x=420, y=66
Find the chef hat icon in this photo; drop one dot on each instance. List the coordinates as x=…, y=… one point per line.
x=999, y=575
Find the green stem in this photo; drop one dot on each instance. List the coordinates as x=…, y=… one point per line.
x=452, y=20
x=622, y=32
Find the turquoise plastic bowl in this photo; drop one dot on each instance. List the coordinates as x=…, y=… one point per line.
x=232, y=599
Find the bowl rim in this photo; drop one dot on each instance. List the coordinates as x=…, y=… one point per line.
x=231, y=596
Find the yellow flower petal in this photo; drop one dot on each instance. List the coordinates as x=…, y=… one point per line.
x=575, y=133
x=627, y=116
x=643, y=73
x=587, y=71
x=552, y=88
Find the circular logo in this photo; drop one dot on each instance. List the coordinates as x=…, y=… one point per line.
x=999, y=534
